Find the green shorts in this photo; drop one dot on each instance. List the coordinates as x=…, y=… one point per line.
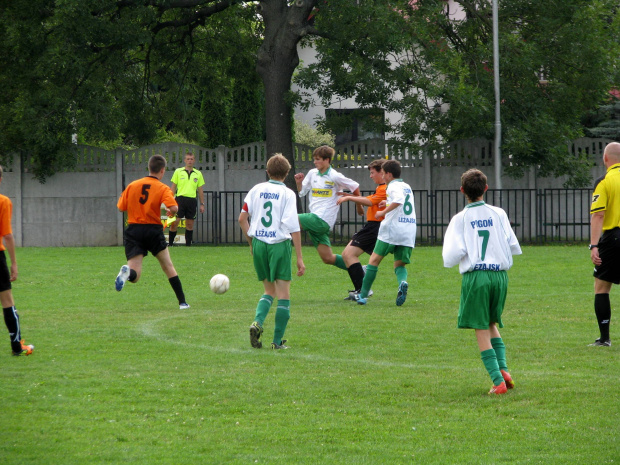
x=483, y=294
x=401, y=252
x=272, y=261
x=316, y=227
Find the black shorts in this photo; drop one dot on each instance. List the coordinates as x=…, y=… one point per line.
x=366, y=238
x=609, y=251
x=187, y=207
x=140, y=239
x=5, y=274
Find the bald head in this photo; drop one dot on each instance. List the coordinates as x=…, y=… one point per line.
x=612, y=154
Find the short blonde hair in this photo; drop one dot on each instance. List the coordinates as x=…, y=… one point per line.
x=278, y=166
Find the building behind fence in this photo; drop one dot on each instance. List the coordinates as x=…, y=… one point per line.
x=78, y=207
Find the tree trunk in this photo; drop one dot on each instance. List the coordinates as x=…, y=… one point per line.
x=277, y=59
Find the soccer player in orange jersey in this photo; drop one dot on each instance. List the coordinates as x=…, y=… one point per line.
x=142, y=201
x=11, y=318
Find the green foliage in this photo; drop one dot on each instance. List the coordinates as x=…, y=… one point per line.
x=312, y=137
x=557, y=60
x=114, y=72
x=604, y=121
x=126, y=377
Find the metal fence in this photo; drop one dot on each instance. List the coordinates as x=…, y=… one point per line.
x=537, y=216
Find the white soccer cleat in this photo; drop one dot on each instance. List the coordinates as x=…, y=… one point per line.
x=183, y=306
x=122, y=278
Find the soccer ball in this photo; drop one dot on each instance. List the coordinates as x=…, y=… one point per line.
x=219, y=283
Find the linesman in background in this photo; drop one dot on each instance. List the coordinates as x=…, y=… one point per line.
x=605, y=239
x=186, y=182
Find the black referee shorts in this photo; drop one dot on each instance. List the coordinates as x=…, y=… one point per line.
x=609, y=251
x=188, y=208
x=140, y=239
x=366, y=238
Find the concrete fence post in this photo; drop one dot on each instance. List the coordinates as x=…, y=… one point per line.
x=17, y=221
x=221, y=166
x=118, y=159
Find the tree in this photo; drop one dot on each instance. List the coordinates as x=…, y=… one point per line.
x=557, y=60
x=128, y=67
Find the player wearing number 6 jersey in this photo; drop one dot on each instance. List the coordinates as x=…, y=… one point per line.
x=481, y=241
x=269, y=221
x=142, y=201
x=396, y=233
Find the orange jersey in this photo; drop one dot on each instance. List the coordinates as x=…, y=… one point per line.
x=6, y=211
x=142, y=200
x=376, y=198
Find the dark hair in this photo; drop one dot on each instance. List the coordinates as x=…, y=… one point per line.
x=377, y=165
x=392, y=167
x=156, y=164
x=474, y=183
x=189, y=154
x=278, y=166
x=325, y=152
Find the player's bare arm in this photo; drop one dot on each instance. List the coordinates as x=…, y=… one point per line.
x=9, y=243
x=296, y=238
x=382, y=213
x=596, y=229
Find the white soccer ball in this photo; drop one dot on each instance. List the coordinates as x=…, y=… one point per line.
x=219, y=283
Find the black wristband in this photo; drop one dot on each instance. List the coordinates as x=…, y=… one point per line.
x=592, y=246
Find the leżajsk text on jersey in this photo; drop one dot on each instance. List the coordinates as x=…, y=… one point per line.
x=399, y=226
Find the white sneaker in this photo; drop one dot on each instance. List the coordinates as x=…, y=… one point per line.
x=122, y=278
x=183, y=306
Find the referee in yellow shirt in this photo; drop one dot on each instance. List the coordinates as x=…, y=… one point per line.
x=186, y=183
x=605, y=239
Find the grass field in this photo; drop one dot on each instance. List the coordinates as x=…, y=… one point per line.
x=128, y=378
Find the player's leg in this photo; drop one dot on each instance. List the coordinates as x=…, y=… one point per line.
x=189, y=231
x=351, y=255
x=602, y=309
x=489, y=359
x=172, y=233
x=369, y=277
x=500, y=353
x=283, y=313
x=402, y=257
x=163, y=257
x=329, y=257
x=11, y=320
x=260, y=258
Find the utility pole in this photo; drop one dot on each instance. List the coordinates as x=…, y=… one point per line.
x=497, y=158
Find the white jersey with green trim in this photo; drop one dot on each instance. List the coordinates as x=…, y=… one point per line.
x=399, y=226
x=480, y=238
x=323, y=189
x=273, y=212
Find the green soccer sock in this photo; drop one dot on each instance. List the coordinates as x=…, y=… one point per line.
x=262, y=309
x=500, y=352
x=340, y=263
x=490, y=363
x=401, y=273
x=283, y=313
x=369, y=278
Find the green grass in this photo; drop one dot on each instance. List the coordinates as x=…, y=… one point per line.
x=128, y=378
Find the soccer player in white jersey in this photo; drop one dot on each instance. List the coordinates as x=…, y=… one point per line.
x=269, y=221
x=481, y=241
x=396, y=233
x=323, y=184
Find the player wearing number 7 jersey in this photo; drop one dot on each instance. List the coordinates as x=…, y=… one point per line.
x=396, y=233
x=142, y=201
x=481, y=241
x=269, y=221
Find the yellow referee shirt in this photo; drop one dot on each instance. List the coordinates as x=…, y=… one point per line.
x=607, y=197
x=187, y=183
